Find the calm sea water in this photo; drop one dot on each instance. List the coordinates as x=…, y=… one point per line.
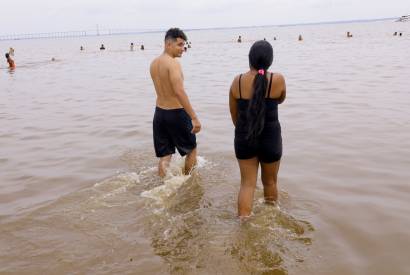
x=78, y=186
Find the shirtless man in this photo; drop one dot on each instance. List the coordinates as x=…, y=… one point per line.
x=10, y=61
x=175, y=122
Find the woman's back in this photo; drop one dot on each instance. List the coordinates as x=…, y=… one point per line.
x=276, y=91
x=273, y=97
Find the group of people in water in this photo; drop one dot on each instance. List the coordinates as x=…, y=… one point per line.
x=12, y=64
x=187, y=45
x=254, y=97
x=132, y=47
x=300, y=38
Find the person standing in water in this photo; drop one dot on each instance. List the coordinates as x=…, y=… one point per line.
x=12, y=65
x=253, y=100
x=175, y=122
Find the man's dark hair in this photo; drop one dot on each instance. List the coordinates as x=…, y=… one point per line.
x=175, y=33
x=7, y=55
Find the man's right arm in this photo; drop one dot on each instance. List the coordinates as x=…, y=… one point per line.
x=177, y=82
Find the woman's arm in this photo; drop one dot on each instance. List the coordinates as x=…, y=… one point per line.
x=282, y=84
x=233, y=107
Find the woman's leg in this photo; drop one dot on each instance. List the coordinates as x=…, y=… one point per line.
x=249, y=174
x=270, y=180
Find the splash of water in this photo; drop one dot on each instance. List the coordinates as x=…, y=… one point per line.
x=173, y=180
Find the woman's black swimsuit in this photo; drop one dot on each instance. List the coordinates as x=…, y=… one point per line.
x=268, y=145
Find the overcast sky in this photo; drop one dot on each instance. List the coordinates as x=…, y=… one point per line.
x=24, y=16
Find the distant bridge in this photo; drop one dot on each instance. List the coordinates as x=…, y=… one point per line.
x=70, y=34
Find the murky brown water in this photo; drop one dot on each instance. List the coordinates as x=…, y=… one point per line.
x=78, y=187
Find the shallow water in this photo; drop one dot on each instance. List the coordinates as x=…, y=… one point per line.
x=78, y=185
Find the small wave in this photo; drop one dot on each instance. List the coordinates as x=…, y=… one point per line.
x=173, y=180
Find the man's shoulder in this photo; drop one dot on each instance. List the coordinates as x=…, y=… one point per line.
x=165, y=61
x=171, y=64
x=155, y=60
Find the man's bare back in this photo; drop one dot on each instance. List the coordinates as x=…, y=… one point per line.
x=160, y=73
x=166, y=73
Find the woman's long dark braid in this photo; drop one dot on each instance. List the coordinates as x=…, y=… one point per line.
x=256, y=108
x=260, y=58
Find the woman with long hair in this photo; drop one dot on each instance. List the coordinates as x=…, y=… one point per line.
x=253, y=100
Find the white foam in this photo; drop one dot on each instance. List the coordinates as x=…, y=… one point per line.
x=123, y=178
x=170, y=186
x=173, y=180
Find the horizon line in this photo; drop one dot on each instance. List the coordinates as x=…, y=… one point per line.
x=109, y=32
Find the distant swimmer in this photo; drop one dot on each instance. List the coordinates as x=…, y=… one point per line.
x=11, y=51
x=348, y=34
x=264, y=39
x=142, y=47
x=12, y=65
x=395, y=34
x=240, y=39
x=81, y=48
x=300, y=37
x=400, y=34
x=102, y=47
x=53, y=59
x=274, y=38
x=175, y=122
x=132, y=47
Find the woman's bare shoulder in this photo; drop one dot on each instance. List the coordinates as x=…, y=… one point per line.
x=235, y=82
x=278, y=77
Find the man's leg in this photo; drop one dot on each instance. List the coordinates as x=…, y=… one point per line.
x=190, y=161
x=163, y=165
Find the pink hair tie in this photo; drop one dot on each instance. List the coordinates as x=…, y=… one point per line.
x=261, y=71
